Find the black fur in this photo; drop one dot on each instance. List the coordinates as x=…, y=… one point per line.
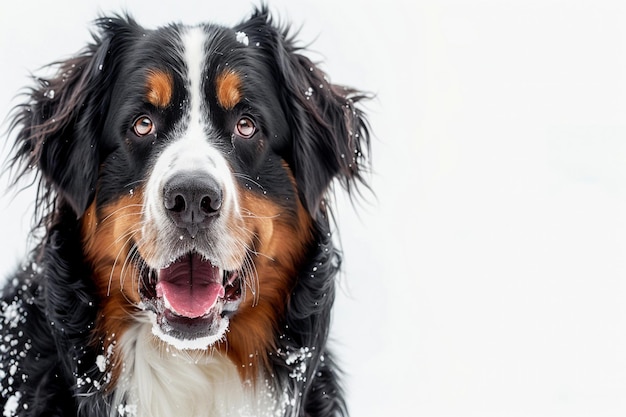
x=66, y=130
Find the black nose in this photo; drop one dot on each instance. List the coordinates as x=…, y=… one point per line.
x=192, y=200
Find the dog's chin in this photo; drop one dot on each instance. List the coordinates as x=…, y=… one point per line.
x=190, y=301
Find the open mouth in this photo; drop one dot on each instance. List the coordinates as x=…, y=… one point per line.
x=192, y=300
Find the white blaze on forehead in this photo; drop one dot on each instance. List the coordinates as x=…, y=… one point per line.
x=191, y=148
x=194, y=44
x=195, y=150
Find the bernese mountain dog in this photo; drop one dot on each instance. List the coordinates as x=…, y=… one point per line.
x=185, y=265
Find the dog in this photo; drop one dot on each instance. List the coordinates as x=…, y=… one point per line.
x=186, y=264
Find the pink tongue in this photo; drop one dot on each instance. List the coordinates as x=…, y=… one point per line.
x=190, y=286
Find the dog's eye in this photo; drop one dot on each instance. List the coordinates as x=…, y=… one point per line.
x=143, y=126
x=245, y=128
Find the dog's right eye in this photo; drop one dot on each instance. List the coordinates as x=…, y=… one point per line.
x=245, y=128
x=143, y=126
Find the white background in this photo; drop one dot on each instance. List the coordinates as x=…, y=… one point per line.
x=487, y=277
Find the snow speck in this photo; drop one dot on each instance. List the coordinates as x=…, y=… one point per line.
x=298, y=355
x=101, y=363
x=297, y=359
x=49, y=94
x=10, y=408
x=12, y=314
x=242, y=38
x=127, y=410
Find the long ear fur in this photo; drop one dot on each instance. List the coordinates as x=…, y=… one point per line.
x=63, y=116
x=330, y=134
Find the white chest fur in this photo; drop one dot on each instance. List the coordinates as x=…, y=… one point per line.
x=159, y=381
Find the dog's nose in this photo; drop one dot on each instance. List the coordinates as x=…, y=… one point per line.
x=192, y=200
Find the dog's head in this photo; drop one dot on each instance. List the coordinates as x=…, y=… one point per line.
x=197, y=160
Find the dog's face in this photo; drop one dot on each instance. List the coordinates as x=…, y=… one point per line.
x=197, y=185
x=197, y=159
x=208, y=191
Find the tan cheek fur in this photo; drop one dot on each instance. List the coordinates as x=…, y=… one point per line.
x=107, y=235
x=281, y=243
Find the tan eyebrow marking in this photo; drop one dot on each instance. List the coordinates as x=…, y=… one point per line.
x=159, y=87
x=228, y=89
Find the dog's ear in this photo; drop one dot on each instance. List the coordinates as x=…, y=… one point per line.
x=329, y=132
x=59, y=125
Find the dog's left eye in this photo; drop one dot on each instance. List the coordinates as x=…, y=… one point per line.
x=143, y=126
x=245, y=128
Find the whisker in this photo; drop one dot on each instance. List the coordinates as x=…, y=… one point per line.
x=135, y=182
x=251, y=215
x=114, y=212
x=252, y=279
x=249, y=271
x=122, y=236
x=128, y=262
x=248, y=178
x=119, y=253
